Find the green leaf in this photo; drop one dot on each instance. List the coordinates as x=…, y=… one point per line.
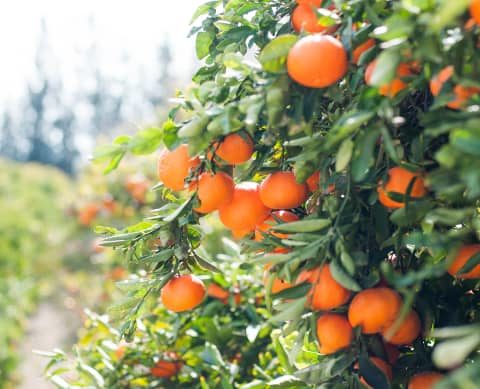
x=286, y=382
x=363, y=156
x=467, y=141
x=452, y=353
x=386, y=67
x=345, y=126
x=343, y=278
x=294, y=292
x=344, y=155
x=212, y=356
x=202, y=10
x=306, y=225
x=274, y=55
x=327, y=369
x=293, y=311
x=203, y=42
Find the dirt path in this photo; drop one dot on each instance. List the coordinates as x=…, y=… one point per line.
x=52, y=326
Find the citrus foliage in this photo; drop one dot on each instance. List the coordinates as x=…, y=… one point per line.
x=368, y=134
x=32, y=199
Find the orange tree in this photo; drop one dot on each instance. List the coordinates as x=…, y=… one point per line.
x=343, y=152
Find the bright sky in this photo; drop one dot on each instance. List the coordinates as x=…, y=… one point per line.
x=135, y=27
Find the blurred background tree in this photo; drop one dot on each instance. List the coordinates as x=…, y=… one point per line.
x=56, y=125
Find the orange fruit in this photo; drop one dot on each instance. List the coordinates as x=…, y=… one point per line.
x=362, y=48
x=183, y=293
x=246, y=210
x=462, y=93
x=284, y=216
x=407, y=332
x=382, y=365
x=463, y=255
x=304, y=18
x=213, y=191
x=281, y=190
x=436, y=83
x=374, y=309
x=315, y=3
x=392, y=88
x=398, y=181
x=235, y=148
x=137, y=187
x=216, y=291
x=475, y=10
x=334, y=333
x=88, y=213
x=109, y=203
x=317, y=61
x=426, y=380
x=175, y=166
x=326, y=293
x=117, y=273
x=240, y=233
x=313, y=183
x=167, y=368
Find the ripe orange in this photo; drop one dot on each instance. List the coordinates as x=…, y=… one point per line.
x=280, y=190
x=462, y=93
x=109, y=204
x=120, y=350
x=374, y=309
x=213, y=191
x=174, y=167
x=426, y=380
x=334, y=332
x=284, y=216
x=313, y=183
x=475, y=10
x=246, y=210
x=88, y=213
x=167, y=368
x=304, y=18
x=398, y=181
x=240, y=233
x=235, y=148
x=362, y=48
x=137, y=187
x=317, y=61
x=392, y=88
x=315, y=3
x=117, y=273
x=382, y=365
x=436, y=83
x=216, y=291
x=183, y=293
x=408, y=331
x=463, y=255
x=326, y=293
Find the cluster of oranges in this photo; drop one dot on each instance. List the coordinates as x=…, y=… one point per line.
x=316, y=60
x=320, y=60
